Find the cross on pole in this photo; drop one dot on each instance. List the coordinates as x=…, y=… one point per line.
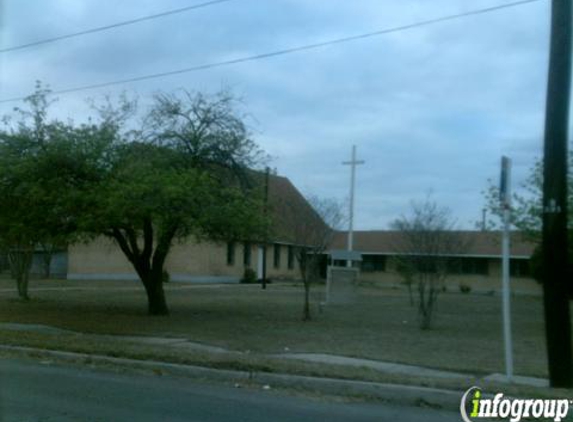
x=352, y=163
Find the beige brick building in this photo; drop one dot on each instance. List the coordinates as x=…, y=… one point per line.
x=209, y=261
x=479, y=265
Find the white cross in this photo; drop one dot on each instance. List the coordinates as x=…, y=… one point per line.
x=352, y=163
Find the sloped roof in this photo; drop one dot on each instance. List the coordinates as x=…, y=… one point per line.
x=286, y=206
x=479, y=243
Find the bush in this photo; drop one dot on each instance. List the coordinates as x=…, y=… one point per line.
x=165, y=277
x=464, y=288
x=249, y=276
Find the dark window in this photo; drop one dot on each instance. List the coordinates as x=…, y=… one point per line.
x=290, y=257
x=372, y=263
x=277, y=256
x=231, y=253
x=425, y=264
x=247, y=254
x=468, y=266
x=519, y=268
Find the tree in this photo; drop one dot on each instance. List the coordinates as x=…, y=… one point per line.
x=427, y=243
x=43, y=188
x=184, y=173
x=31, y=214
x=313, y=234
x=208, y=129
x=526, y=210
x=526, y=215
x=188, y=176
x=152, y=197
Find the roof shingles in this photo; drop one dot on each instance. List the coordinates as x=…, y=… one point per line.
x=480, y=243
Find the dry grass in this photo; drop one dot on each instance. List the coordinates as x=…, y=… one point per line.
x=380, y=325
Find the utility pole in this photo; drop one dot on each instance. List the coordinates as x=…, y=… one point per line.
x=352, y=163
x=554, y=241
x=266, y=205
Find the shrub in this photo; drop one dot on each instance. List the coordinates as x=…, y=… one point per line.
x=165, y=277
x=464, y=288
x=249, y=276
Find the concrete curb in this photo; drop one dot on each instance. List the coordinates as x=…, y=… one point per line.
x=395, y=393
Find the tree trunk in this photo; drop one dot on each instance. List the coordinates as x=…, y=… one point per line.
x=424, y=312
x=155, y=294
x=148, y=264
x=20, y=262
x=429, y=289
x=410, y=292
x=306, y=309
x=22, y=282
x=47, y=261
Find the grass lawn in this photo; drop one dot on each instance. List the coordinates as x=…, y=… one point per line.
x=380, y=324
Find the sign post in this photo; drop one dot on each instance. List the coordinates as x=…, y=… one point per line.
x=505, y=202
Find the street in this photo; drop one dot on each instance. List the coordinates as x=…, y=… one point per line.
x=35, y=391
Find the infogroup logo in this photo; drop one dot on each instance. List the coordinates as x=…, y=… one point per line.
x=474, y=407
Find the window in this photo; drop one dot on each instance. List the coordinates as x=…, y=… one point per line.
x=231, y=253
x=519, y=268
x=468, y=266
x=477, y=266
x=372, y=263
x=290, y=257
x=247, y=254
x=277, y=256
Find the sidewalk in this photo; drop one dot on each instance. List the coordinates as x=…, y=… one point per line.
x=378, y=366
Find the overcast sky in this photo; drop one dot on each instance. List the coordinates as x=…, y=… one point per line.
x=430, y=109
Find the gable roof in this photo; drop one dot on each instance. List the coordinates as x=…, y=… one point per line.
x=286, y=206
x=480, y=243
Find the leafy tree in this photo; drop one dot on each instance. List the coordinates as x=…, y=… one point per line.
x=184, y=173
x=42, y=183
x=526, y=214
x=189, y=176
x=19, y=143
x=427, y=243
x=31, y=215
x=152, y=197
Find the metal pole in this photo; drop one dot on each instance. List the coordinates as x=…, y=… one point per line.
x=505, y=202
x=506, y=297
x=554, y=250
x=266, y=199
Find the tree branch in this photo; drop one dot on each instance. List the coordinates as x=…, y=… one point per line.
x=122, y=242
x=147, y=239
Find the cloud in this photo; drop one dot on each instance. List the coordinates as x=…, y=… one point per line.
x=429, y=108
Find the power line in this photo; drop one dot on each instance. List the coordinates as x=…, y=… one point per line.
x=291, y=50
x=113, y=25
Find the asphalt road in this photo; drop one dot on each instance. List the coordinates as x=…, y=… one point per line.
x=32, y=391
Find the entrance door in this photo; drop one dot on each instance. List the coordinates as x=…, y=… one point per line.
x=260, y=263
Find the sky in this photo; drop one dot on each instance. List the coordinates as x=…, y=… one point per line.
x=431, y=109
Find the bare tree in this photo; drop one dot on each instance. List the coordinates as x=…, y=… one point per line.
x=428, y=246
x=313, y=234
